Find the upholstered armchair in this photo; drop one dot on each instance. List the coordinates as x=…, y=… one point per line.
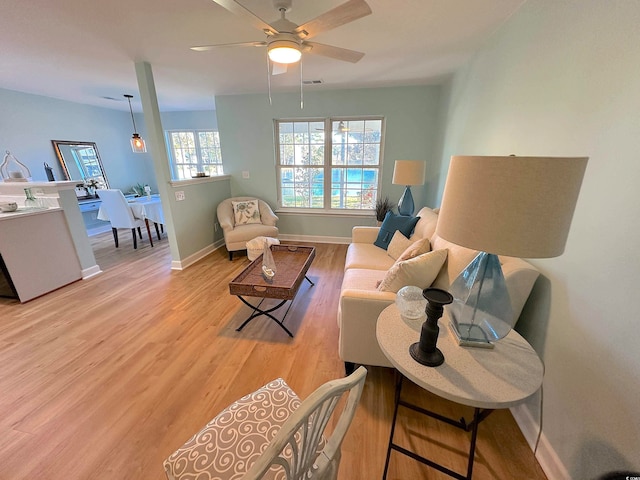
x=245, y=223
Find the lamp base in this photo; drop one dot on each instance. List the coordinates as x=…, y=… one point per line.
x=430, y=359
x=405, y=204
x=468, y=342
x=481, y=310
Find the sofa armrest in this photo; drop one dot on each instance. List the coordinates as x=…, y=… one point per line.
x=357, y=318
x=364, y=234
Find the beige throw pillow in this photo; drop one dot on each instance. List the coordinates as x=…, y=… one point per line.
x=416, y=248
x=398, y=244
x=246, y=211
x=420, y=271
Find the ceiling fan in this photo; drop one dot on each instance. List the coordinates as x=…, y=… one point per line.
x=286, y=41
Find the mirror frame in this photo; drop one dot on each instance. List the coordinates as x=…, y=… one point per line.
x=65, y=169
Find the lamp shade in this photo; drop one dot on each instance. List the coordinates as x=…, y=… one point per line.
x=409, y=172
x=513, y=206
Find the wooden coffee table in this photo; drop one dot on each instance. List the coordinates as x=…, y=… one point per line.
x=292, y=263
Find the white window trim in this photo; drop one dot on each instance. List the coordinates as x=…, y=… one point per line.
x=172, y=159
x=326, y=211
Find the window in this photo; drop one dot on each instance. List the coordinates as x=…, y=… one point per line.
x=345, y=163
x=194, y=151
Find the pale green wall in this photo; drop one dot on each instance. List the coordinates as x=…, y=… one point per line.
x=246, y=134
x=562, y=77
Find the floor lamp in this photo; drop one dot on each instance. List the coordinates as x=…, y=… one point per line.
x=407, y=173
x=513, y=206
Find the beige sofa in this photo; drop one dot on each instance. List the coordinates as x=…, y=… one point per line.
x=361, y=302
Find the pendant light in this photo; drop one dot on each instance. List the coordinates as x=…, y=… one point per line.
x=137, y=142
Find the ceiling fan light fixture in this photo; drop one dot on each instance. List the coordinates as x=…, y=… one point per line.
x=284, y=51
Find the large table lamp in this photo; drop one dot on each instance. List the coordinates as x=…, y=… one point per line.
x=512, y=206
x=407, y=173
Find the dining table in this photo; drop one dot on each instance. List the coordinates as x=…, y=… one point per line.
x=147, y=208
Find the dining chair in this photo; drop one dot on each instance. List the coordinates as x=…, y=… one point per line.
x=120, y=215
x=271, y=434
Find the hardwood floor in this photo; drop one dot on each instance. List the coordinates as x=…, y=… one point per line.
x=104, y=378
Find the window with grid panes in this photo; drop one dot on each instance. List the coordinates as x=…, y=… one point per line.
x=194, y=151
x=330, y=164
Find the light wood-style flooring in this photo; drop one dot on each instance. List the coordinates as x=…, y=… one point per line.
x=106, y=377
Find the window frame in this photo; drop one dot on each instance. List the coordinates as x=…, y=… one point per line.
x=173, y=164
x=327, y=165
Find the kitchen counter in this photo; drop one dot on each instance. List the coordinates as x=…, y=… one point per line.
x=22, y=211
x=38, y=252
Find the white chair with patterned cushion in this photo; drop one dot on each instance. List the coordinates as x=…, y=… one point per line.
x=243, y=219
x=271, y=434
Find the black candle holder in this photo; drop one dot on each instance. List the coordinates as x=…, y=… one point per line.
x=425, y=351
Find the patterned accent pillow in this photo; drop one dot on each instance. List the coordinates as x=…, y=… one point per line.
x=230, y=443
x=420, y=271
x=246, y=212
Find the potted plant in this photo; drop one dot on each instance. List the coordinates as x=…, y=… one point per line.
x=383, y=205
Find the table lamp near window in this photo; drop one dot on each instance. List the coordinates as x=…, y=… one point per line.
x=407, y=173
x=512, y=206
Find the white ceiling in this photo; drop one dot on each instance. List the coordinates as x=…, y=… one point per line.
x=84, y=51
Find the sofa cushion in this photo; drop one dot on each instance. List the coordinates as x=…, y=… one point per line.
x=362, y=279
x=367, y=255
x=391, y=223
x=399, y=243
x=426, y=226
x=458, y=258
x=420, y=271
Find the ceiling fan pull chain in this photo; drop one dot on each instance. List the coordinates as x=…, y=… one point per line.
x=269, y=79
x=301, y=83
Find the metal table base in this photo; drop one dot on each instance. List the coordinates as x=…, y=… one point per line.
x=257, y=311
x=478, y=416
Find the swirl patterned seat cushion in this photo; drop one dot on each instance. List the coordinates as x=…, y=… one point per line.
x=230, y=443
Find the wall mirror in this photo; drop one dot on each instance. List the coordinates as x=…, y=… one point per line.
x=80, y=161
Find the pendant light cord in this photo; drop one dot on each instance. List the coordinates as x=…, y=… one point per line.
x=129, y=97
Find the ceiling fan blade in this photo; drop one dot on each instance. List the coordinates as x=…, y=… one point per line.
x=205, y=48
x=235, y=7
x=278, y=68
x=332, y=52
x=345, y=13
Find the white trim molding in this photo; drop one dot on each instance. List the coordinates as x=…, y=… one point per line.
x=314, y=239
x=199, y=255
x=546, y=456
x=91, y=272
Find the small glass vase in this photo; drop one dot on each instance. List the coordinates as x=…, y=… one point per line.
x=268, y=263
x=30, y=201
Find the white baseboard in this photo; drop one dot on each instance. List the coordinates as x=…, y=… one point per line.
x=191, y=259
x=547, y=457
x=314, y=238
x=91, y=272
x=199, y=255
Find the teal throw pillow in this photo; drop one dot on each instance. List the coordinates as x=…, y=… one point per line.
x=391, y=223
